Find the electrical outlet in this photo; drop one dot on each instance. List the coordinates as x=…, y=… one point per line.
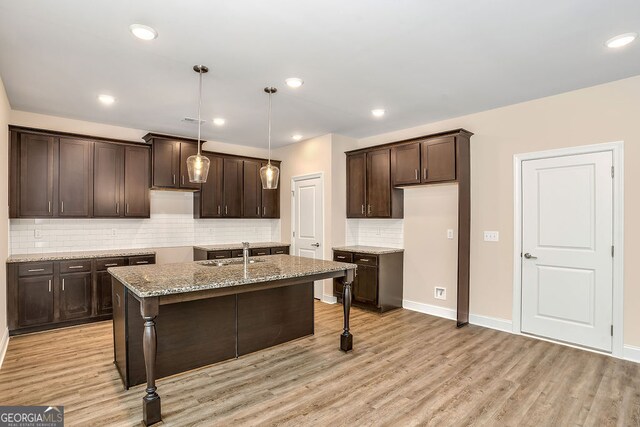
x=37, y=233
x=491, y=236
x=440, y=293
x=378, y=231
x=450, y=234
x=114, y=232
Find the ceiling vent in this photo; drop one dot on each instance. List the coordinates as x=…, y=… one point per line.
x=193, y=121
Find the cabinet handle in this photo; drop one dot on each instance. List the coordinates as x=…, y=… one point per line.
x=62, y=207
x=225, y=210
x=218, y=209
x=362, y=210
x=174, y=179
x=127, y=207
x=117, y=207
x=113, y=264
x=33, y=270
x=264, y=211
x=424, y=173
x=182, y=179
x=74, y=267
x=142, y=262
x=341, y=257
x=49, y=206
x=258, y=210
x=368, y=209
x=219, y=256
x=50, y=285
x=63, y=284
x=364, y=259
x=416, y=173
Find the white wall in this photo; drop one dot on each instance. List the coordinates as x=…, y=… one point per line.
x=5, y=109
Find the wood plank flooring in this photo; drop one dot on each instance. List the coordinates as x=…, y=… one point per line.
x=406, y=369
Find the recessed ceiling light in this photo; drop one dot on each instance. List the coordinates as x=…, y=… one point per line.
x=296, y=137
x=219, y=121
x=294, y=82
x=143, y=32
x=106, y=99
x=378, y=112
x=621, y=40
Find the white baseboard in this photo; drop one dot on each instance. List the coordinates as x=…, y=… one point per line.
x=329, y=299
x=503, y=325
x=631, y=353
x=434, y=310
x=4, y=343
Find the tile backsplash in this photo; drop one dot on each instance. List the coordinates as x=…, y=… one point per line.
x=171, y=224
x=375, y=232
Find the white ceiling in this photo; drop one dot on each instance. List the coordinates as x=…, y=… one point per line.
x=421, y=60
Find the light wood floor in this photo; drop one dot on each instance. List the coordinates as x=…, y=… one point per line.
x=406, y=369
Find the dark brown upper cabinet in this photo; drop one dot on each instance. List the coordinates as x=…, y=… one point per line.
x=405, y=164
x=136, y=181
x=232, y=187
x=169, y=161
x=108, y=177
x=369, y=191
x=33, y=183
x=270, y=198
x=439, y=159
x=75, y=178
x=209, y=201
x=251, y=190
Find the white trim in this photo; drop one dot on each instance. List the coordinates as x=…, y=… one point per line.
x=503, y=325
x=434, y=310
x=631, y=353
x=617, y=150
x=4, y=344
x=329, y=299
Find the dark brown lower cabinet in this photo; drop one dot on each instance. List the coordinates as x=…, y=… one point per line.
x=202, y=254
x=35, y=300
x=54, y=294
x=378, y=282
x=75, y=296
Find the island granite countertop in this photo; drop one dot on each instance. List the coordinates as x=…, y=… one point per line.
x=166, y=279
x=234, y=246
x=61, y=256
x=374, y=250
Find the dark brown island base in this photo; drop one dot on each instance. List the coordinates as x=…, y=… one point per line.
x=172, y=318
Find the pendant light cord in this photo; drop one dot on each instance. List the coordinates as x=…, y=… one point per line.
x=269, y=128
x=199, y=108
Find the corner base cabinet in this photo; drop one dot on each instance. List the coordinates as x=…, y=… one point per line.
x=378, y=282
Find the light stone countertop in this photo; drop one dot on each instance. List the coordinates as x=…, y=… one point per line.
x=375, y=250
x=233, y=246
x=166, y=279
x=61, y=256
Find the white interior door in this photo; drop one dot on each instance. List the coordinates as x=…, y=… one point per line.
x=567, y=237
x=308, y=221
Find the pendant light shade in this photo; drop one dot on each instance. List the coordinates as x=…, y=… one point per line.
x=270, y=174
x=198, y=165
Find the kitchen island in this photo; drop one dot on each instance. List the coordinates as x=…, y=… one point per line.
x=171, y=318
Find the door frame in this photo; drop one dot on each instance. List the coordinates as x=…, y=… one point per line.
x=617, y=150
x=306, y=177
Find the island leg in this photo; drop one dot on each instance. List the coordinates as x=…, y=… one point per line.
x=346, y=339
x=151, y=413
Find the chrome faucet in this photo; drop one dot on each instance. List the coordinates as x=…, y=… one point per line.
x=245, y=254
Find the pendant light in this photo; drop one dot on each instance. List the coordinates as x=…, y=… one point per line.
x=269, y=174
x=198, y=165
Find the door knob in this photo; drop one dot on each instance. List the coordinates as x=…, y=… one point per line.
x=529, y=256
x=317, y=245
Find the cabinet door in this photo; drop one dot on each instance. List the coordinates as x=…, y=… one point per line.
x=136, y=182
x=108, y=169
x=105, y=305
x=270, y=198
x=356, y=184
x=211, y=200
x=75, y=178
x=379, y=184
x=439, y=159
x=232, y=183
x=166, y=156
x=251, y=190
x=187, y=149
x=405, y=164
x=36, y=175
x=35, y=300
x=75, y=296
x=365, y=285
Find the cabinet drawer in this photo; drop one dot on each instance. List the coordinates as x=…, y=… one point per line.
x=35, y=269
x=342, y=256
x=143, y=259
x=219, y=254
x=75, y=266
x=280, y=250
x=236, y=253
x=365, y=259
x=104, y=263
x=260, y=251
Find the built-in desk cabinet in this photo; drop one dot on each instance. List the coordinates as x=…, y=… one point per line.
x=52, y=294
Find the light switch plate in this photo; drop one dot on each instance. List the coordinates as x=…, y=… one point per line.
x=37, y=233
x=450, y=234
x=491, y=236
x=440, y=293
